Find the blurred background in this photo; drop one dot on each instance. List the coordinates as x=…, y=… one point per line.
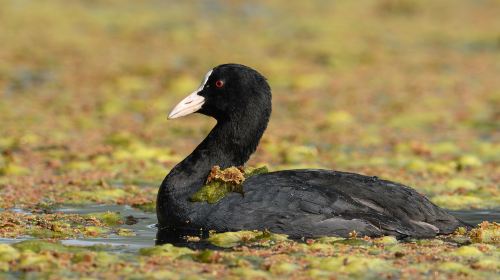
x=407, y=90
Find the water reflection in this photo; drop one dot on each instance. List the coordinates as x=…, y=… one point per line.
x=193, y=239
x=143, y=224
x=475, y=217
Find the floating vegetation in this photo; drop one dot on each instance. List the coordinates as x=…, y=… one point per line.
x=82, y=122
x=268, y=255
x=486, y=233
x=56, y=226
x=220, y=182
x=232, y=239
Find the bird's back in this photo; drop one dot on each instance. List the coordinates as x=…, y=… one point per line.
x=312, y=203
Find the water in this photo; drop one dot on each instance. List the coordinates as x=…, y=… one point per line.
x=142, y=223
x=475, y=217
x=144, y=226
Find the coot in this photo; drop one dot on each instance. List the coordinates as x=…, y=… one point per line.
x=300, y=203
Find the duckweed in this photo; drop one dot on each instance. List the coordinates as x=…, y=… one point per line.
x=279, y=257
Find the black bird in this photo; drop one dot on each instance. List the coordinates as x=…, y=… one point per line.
x=300, y=203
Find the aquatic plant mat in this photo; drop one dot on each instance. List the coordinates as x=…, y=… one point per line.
x=220, y=182
x=404, y=90
x=245, y=254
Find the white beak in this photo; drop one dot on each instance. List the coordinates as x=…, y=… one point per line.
x=188, y=105
x=191, y=103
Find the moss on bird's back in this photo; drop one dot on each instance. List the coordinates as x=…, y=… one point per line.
x=220, y=182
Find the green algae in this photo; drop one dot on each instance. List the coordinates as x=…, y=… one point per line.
x=7, y=254
x=166, y=250
x=222, y=182
x=487, y=263
x=352, y=265
x=214, y=192
x=431, y=122
x=44, y=262
x=469, y=161
x=108, y=218
x=57, y=225
x=125, y=232
x=249, y=273
x=457, y=183
x=232, y=239
x=55, y=233
x=468, y=251
x=386, y=240
x=146, y=207
x=104, y=195
x=455, y=268
x=283, y=268
x=283, y=258
x=486, y=233
x=38, y=246
x=251, y=171
x=94, y=231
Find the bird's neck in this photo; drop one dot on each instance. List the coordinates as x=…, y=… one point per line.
x=230, y=143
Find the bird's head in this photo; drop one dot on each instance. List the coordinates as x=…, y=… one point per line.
x=228, y=92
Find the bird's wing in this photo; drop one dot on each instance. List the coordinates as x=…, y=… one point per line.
x=322, y=202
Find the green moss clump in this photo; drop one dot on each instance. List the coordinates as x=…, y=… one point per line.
x=94, y=231
x=37, y=262
x=104, y=259
x=386, y=240
x=212, y=192
x=251, y=171
x=48, y=233
x=7, y=253
x=38, y=246
x=166, y=250
x=220, y=182
x=488, y=263
x=147, y=207
x=352, y=265
x=455, y=267
x=232, y=239
x=249, y=273
x=486, y=233
x=283, y=268
x=108, y=218
x=125, y=232
x=468, y=251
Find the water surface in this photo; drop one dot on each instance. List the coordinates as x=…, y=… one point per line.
x=144, y=226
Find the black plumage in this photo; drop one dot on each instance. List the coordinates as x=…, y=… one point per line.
x=300, y=203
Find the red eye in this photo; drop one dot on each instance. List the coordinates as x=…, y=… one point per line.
x=219, y=83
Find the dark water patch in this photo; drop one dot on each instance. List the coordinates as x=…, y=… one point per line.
x=184, y=238
x=475, y=217
x=143, y=224
x=24, y=80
